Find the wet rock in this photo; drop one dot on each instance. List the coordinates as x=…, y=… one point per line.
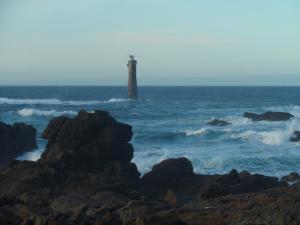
x=217, y=122
x=295, y=137
x=15, y=140
x=292, y=177
x=269, y=116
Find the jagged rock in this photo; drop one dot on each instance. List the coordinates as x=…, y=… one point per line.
x=269, y=116
x=90, y=141
x=295, y=137
x=217, y=122
x=15, y=140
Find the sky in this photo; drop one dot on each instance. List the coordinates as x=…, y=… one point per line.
x=176, y=42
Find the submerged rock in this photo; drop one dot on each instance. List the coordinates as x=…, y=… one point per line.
x=217, y=122
x=268, y=116
x=295, y=137
x=15, y=140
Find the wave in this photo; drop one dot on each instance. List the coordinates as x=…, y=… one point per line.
x=36, y=112
x=14, y=101
x=272, y=137
x=31, y=156
x=199, y=132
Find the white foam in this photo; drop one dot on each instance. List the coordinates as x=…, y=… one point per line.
x=36, y=112
x=31, y=156
x=199, y=132
x=13, y=101
x=112, y=100
x=272, y=137
x=276, y=137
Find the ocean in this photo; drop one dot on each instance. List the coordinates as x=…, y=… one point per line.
x=171, y=122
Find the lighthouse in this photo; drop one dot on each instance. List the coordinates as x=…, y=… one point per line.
x=132, y=82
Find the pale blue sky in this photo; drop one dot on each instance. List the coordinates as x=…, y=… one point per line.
x=176, y=42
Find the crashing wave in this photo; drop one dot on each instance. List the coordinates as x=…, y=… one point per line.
x=31, y=156
x=272, y=137
x=36, y=112
x=199, y=132
x=13, y=101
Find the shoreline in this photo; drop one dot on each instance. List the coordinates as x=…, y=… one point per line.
x=85, y=176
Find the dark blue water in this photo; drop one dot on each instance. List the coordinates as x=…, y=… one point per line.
x=171, y=122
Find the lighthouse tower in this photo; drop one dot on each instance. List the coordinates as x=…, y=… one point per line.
x=132, y=82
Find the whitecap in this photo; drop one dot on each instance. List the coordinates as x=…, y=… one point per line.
x=13, y=101
x=26, y=112
x=199, y=132
x=117, y=100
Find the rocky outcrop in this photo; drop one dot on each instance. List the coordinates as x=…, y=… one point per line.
x=269, y=116
x=85, y=177
x=89, y=142
x=217, y=122
x=15, y=140
x=295, y=137
x=174, y=175
x=168, y=174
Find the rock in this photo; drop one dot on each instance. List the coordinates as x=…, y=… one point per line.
x=237, y=183
x=86, y=177
x=268, y=116
x=90, y=141
x=171, y=197
x=292, y=177
x=295, y=137
x=212, y=190
x=15, y=140
x=217, y=122
x=169, y=174
x=8, y=217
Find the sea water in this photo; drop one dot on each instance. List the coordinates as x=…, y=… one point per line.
x=171, y=122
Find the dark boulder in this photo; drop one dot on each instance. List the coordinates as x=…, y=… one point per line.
x=269, y=116
x=15, y=140
x=295, y=137
x=217, y=122
x=169, y=174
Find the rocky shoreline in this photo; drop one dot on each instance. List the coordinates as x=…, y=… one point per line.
x=14, y=140
x=86, y=177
